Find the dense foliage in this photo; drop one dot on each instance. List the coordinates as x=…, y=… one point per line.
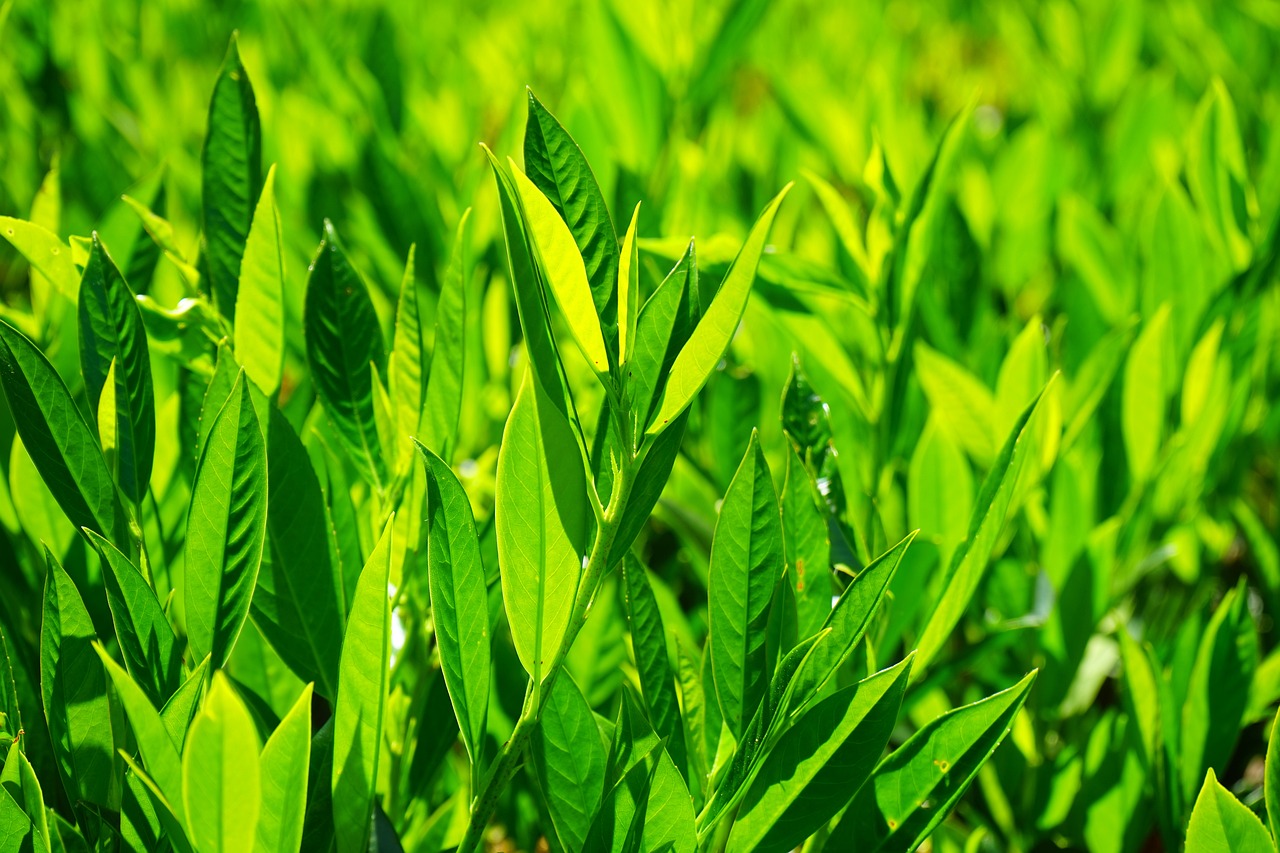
x=365, y=489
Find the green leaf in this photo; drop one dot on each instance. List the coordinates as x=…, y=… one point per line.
x=297, y=602
x=231, y=177
x=1271, y=785
x=19, y=782
x=656, y=805
x=541, y=515
x=156, y=741
x=746, y=562
x=284, y=764
x=1143, y=400
x=343, y=340
x=531, y=303
x=711, y=338
x=649, y=645
x=459, y=601
x=569, y=760
x=438, y=425
x=1222, y=824
x=362, y=700
x=74, y=690
x=806, y=543
x=667, y=319
x=226, y=528
x=563, y=269
x=1217, y=173
x=649, y=484
x=628, y=291
x=62, y=445
x=921, y=781
x=558, y=168
x=1218, y=689
x=849, y=619
x=151, y=652
x=111, y=331
x=406, y=371
x=45, y=251
x=220, y=782
x=969, y=563
x=963, y=405
x=260, y=301
x=819, y=763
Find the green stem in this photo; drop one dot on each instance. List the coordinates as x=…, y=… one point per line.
x=507, y=760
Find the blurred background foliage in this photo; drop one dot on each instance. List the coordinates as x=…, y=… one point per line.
x=1106, y=207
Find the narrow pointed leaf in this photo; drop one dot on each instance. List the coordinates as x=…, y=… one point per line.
x=151, y=652
x=260, y=310
x=711, y=338
x=62, y=445
x=556, y=165
x=231, y=177
x=284, y=764
x=226, y=528
x=343, y=340
x=362, y=699
x=746, y=562
x=562, y=265
x=649, y=644
x=917, y=786
x=438, y=426
x=819, y=764
x=459, y=601
x=297, y=602
x=74, y=689
x=970, y=560
x=111, y=332
x=628, y=291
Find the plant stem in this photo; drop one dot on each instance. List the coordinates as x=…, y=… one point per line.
x=507, y=760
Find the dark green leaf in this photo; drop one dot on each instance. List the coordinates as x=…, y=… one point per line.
x=231, y=164
x=343, y=340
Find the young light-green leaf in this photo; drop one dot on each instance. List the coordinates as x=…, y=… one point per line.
x=558, y=168
x=1220, y=822
x=226, y=527
x=459, y=601
x=231, y=178
x=260, y=309
x=362, y=699
x=284, y=764
x=438, y=423
x=541, y=515
x=628, y=291
x=746, y=562
x=563, y=268
x=713, y=334
x=220, y=775
x=45, y=251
